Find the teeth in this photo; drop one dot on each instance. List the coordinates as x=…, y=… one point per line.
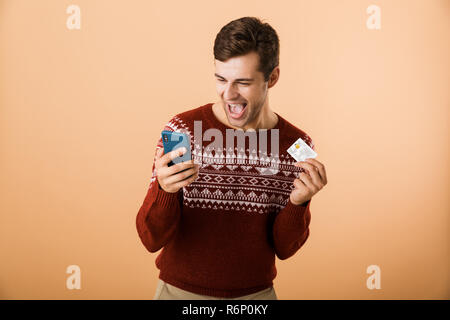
x=236, y=108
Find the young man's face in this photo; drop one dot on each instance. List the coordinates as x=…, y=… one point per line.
x=241, y=88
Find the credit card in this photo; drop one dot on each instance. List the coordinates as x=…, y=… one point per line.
x=301, y=151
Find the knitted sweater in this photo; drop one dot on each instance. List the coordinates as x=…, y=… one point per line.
x=221, y=233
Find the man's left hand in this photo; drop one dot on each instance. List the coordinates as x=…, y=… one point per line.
x=308, y=184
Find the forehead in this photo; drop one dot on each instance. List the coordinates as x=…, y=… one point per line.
x=245, y=66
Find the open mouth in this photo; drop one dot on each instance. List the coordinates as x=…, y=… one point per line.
x=236, y=110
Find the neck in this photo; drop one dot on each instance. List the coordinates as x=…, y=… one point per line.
x=266, y=120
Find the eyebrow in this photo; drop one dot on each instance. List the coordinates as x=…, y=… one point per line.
x=240, y=79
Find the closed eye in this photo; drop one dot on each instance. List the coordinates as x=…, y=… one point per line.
x=243, y=83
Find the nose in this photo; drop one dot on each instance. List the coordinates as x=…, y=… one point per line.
x=230, y=92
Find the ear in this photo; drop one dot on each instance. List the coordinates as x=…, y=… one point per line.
x=274, y=76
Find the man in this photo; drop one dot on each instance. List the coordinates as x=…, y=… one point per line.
x=222, y=217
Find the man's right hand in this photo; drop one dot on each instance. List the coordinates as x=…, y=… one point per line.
x=170, y=179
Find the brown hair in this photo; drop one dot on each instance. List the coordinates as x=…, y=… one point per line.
x=246, y=35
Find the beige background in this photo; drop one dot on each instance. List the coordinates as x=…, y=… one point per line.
x=81, y=112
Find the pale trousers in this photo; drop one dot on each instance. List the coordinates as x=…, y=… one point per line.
x=165, y=291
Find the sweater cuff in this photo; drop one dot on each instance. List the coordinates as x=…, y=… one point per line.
x=296, y=213
x=166, y=199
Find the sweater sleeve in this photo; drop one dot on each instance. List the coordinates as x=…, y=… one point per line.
x=159, y=216
x=291, y=229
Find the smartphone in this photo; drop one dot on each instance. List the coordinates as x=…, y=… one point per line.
x=175, y=140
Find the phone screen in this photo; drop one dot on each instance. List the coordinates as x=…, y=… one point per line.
x=175, y=140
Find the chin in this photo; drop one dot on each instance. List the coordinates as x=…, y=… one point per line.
x=238, y=124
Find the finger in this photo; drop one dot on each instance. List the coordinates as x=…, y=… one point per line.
x=186, y=182
x=165, y=171
x=180, y=167
x=313, y=173
x=175, y=178
x=161, y=172
x=321, y=167
x=299, y=184
x=306, y=179
x=172, y=155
